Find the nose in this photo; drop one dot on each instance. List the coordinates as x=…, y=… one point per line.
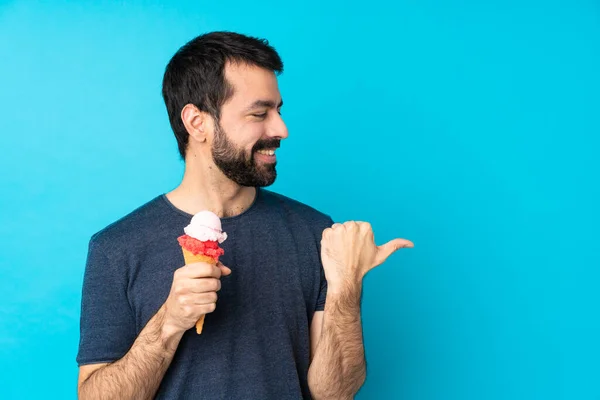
x=277, y=128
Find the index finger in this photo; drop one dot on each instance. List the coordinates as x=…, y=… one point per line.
x=201, y=270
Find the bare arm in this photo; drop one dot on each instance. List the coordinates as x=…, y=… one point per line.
x=338, y=368
x=138, y=374
x=348, y=252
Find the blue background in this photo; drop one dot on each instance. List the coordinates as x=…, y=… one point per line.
x=468, y=127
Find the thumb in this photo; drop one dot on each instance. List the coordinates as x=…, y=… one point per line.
x=386, y=250
x=224, y=270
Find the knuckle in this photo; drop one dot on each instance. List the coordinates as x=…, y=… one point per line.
x=180, y=287
x=366, y=227
x=207, y=269
x=211, y=285
x=203, y=285
x=182, y=300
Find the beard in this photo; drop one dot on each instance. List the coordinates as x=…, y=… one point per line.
x=240, y=167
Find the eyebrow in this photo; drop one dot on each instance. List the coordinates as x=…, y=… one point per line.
x=264, y=104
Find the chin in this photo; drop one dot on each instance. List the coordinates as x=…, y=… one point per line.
x=267, y=182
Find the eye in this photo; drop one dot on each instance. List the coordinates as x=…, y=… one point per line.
x=261, y=116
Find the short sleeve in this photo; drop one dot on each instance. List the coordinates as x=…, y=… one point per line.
x=323, y=284
x=322, y=293
x=107, y=326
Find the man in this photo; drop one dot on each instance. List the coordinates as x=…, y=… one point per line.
x=283, y=320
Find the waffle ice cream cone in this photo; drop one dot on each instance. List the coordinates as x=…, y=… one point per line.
x=190, y=258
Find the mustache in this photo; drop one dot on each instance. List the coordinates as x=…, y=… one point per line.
x=266, y=144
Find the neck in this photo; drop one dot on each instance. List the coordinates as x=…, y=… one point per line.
x=204, y=187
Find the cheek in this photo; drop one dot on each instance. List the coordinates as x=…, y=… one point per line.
x=243, y=133
x=248, y=136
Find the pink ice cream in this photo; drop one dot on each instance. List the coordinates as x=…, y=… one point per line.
x=206, y=226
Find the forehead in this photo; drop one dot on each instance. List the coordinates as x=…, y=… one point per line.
x=251, y=83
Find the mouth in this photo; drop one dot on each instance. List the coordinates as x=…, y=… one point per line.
x=266, y=155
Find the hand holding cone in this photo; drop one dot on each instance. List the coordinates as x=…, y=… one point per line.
x=201, y=244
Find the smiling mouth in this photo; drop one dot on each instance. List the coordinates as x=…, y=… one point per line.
x=266, y=152
x=266, y=156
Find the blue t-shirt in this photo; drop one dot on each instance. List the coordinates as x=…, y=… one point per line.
x=255, y=345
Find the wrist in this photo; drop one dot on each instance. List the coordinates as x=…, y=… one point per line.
x=344, y=300
x=170, y=334
x=344, y=288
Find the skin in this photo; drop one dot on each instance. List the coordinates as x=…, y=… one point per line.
x=249, y=119
x=348, y=253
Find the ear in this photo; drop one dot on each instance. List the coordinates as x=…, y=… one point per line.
x=196, y=122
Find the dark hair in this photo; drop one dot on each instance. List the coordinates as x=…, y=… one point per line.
x=196, y=74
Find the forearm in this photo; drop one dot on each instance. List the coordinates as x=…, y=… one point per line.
x=138, y=374
x=338, y=369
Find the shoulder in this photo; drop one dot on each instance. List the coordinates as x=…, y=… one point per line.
x=133, y=225
x=297, y=209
